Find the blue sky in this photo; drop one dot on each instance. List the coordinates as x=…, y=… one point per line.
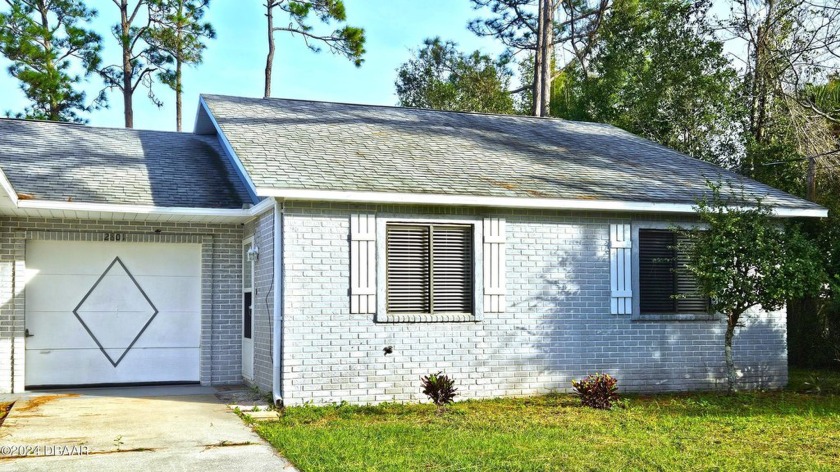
x=235, y=60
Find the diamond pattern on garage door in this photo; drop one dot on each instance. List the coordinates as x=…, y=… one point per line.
x=115, y=311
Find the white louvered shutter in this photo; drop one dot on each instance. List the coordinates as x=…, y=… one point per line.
x=452, y=269
x=429, y=269
x=362, y=264
x=621, y=283
x=408, y=267
x=494, y=265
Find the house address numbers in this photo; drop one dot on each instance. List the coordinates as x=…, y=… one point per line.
x=114, y=236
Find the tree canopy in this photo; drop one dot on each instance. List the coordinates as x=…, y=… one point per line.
x=535, y=29
x=178, y=31
x=743, y=259
x=139, y=60
x=657, y=71
x=347, y=41
x=441, y=77
x=46, y=41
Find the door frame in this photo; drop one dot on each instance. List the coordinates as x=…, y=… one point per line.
x=247, y=338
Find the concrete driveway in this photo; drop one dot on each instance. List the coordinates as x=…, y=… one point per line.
x=144, y=428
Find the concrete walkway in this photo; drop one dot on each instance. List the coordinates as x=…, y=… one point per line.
x=126, y=429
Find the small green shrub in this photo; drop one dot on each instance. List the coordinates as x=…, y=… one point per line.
x=818, y=384
x=440, y=388
x=597, y=390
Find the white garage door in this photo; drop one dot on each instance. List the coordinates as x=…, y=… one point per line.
x=112, y=312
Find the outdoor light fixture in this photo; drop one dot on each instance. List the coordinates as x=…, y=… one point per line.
x=253, y=254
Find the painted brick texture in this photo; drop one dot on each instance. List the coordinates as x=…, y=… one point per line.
x=557, y=326
x=262, y=229
x=221, y=286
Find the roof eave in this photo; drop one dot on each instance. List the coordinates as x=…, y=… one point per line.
x=507, y=202
x=7, y=188
x=142, y=212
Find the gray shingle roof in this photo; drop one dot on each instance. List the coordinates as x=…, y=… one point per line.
x=294, y=144
x=66, y=162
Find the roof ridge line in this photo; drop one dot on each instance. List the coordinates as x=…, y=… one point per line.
x=399, y=107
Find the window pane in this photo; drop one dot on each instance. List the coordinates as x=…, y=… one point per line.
x=657, y=281
x=407, y=249
x=452, y=269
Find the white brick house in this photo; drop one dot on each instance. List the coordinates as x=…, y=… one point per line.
x=329, y=252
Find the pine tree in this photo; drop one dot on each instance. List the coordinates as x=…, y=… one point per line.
x=537, y=28
x=178, y=32
x=45, y=40
x=139, y=60
x=347, y=41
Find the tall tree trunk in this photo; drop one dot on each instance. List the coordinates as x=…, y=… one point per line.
x=128, y=70
x=178, y=64
x=54, y=107
x=178, y=93
x=761, y=86
x=811, y=179
x=269, y=60
x=731, y=375
x=536, y=86
x=547, y=33
x=762, y=82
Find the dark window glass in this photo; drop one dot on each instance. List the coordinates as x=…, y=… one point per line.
x=247, y=315
x=666, y=286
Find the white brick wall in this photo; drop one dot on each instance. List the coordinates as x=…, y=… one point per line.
x=262, y=229
x=557, y=326
x=221, y=287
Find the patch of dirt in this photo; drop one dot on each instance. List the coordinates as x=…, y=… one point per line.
x=227, y=444
x=4, y=410
x=120, y=451
x=35, y=402
x=239, y=396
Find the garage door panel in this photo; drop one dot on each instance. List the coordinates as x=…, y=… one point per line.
x=88, y=366
x=172, y=293
x=165, y=292
x=55, y=330
x=173, y=328
x=139, y=302
x=59, y=330
x=92, y=258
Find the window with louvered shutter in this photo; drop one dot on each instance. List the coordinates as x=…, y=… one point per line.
x=429, y=268
x=665, y=285
x=408, y=262
x=690, y=301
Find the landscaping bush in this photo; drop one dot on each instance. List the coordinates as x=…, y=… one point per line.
x=597, y=390
x=440, y=388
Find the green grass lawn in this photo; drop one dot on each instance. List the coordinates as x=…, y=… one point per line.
x=750, y=431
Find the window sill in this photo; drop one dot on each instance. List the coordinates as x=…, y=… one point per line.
x=675, y=317
x=426, y=318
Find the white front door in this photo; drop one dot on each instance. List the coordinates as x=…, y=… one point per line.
x=247, y=310
x=112, y=312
